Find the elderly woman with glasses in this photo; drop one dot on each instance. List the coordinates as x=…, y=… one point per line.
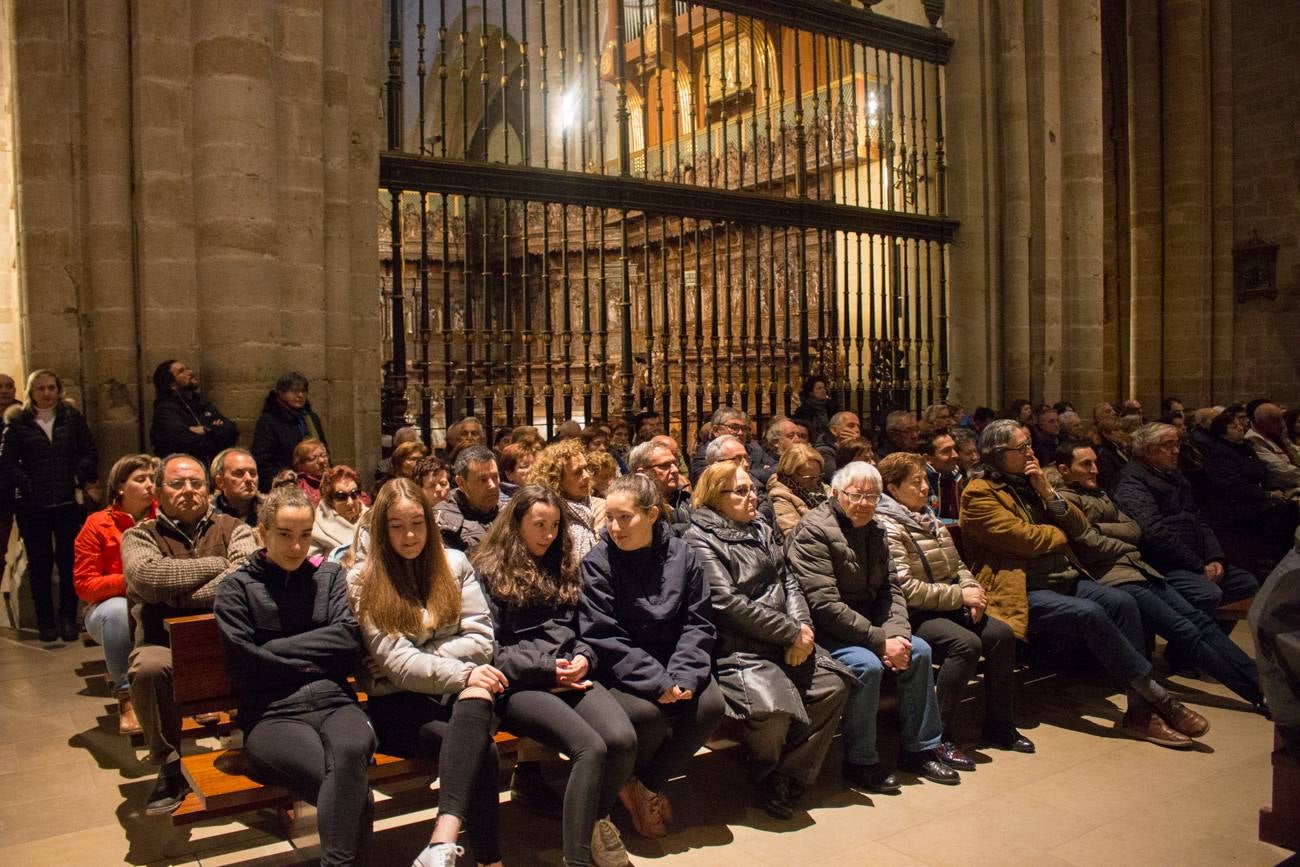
x=1016, y=532
x=339, y=512
x=840, y=556
x=797, y=485
x=771, y=676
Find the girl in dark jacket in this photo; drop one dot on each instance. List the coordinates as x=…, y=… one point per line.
x=286, y=420
x=290, y=642
x=528, y=565
x=789, y=696
x=46, y=455
x=645, y=611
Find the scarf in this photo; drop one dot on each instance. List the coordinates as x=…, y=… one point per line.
x=811, y=499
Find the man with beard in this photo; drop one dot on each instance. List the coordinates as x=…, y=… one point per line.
x=184, y=421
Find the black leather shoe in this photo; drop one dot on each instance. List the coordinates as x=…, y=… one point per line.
x=48, y=634
x=929, y=765
x=529, y=790
x=1263, y=710
x=871, y=778
x=1012, y=740
x=953, y=757
x=775, y=797
x=168, y=792
x=68, y=630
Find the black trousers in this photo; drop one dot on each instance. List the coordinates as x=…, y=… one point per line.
x=322, y=757
x=780, y=743
x=459, y=734
x=49, y=535
x=591, y=729
x=957, y=647
x=667, y=735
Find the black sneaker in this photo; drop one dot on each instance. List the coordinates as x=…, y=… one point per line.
x=529, y=790
x=168, y=792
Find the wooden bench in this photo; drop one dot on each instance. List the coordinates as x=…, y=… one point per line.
x=1279, y=823
x=1234, y=610
x=219, y=780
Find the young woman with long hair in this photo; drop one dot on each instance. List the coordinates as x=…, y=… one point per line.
x=528, y=564
x=290, y=643
x=425, y=621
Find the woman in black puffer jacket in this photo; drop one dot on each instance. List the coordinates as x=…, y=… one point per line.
x=789, y=696
x=46, y=455
x=286, y=420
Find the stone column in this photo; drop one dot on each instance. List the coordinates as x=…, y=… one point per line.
x=1222, y=386
x=1082, y=289
x=1013, y=116
x=11, y=340
x=1146, y=203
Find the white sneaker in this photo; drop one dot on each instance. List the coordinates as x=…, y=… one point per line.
x=607, y=845
x=439, y=855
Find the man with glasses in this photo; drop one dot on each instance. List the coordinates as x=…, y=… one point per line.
x=234, y=477
x=1016, y=533
x=172, y=565
x=840, y=557
x=728, y=448
x=902, y=433
x=1176, y=540
x=734, y=422
x=655, y=460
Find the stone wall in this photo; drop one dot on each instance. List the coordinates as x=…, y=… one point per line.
x=197, y=180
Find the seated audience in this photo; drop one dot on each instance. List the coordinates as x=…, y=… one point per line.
x=620, y=440
x=840, y=557
x=1046, y=435
x=796, y=486
x=1111, y=443
x=1016, y=533
x=431, y=475
x=184, y=421
x=1170, y=408
x=645, y=612
x=97, y=573
x=656, y=462
x=604, y=469
x=339, y=511
x=310, y=461
x=234, y=478
x=979, y=419
x=463, y=434
x=464, y=517
x=430, y=682
x=527, y=436
x=781, y=433
x=1103, y=412
x=1109, y=550
x=946, y=607
x=943, y=474
x=671, y=444
x=815, y=408
x=767, y=664
x=562, y=467
x=406, y=456
x=937, y=417
x=290, y=644
x=1021, y=411
x=1176, y=539
x=567, y=430
x=902, y=433
x=384, y=469
x=735, y=422
x=514, y=462
x=729, y=449
x=530, y=568
x=1268, y=437
x=1235, y=478
x=1072, y=427
x=856, y=449
x=173, y=565
x=286, y=420
x=1276, y=631
x=1132, y=408
x=8, y=392
x=648, y=425
x=844, y=426
x=968, y=452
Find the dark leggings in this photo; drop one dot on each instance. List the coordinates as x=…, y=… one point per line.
x=669, y=734
x=49, y=536
x=322, y=757
x=459, y=735
x=591, y=729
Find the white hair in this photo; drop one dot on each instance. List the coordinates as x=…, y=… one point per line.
x=713, y=451
x=857, y=471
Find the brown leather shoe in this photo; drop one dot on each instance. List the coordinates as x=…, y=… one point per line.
x=1146, y=725
x=1183, y=719
x=127, y=724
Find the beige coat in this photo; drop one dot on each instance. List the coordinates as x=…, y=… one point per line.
x=788, y=507
x=930, y=569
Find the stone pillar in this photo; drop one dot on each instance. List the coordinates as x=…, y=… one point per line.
x=1082, y=289
x=1013, y=116
x=1185, y=121
x=1146, y=203
x=1221, y=150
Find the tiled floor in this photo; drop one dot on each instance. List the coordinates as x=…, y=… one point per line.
x=71, y=792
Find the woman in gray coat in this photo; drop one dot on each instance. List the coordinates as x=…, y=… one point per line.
x=789, y=696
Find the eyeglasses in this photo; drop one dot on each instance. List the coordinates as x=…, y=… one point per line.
x=741, y=491
x=1021, y=448
x=859, y=498
x=664, y=466
x=340, y=496
x=182, y=484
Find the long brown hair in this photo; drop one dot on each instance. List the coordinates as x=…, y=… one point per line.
x=395, y=589
x=512, y=573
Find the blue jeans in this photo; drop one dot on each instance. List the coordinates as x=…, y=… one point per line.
x=1106, y=618
x=1236, y=584
x=1195, y=637
x=918, y=709
x=109, y=623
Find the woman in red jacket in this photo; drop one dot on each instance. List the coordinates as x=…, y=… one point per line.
x=97, y=573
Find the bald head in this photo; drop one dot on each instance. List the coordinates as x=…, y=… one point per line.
x=1270, y=420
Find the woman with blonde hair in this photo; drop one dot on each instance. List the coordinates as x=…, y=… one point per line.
x=425, y=621
x=797, y=485
x=562, y=467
